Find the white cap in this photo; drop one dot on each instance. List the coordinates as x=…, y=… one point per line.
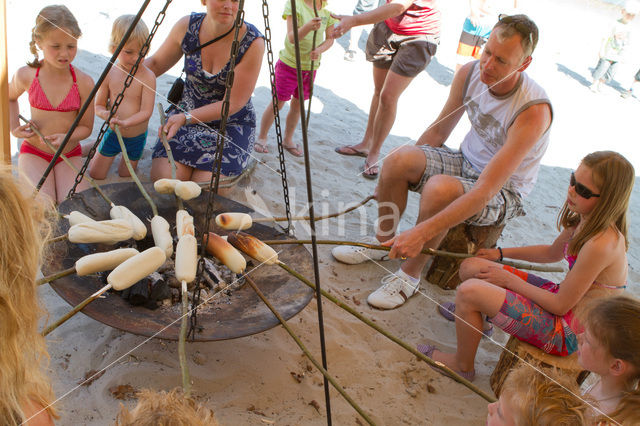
x=632, y=6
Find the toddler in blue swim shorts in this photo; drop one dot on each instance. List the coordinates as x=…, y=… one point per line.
x=132, y=117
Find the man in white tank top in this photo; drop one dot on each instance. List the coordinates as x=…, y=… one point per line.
x=484, y=182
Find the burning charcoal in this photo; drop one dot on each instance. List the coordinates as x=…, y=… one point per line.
x=167, y=267
x=213, y=271
x=173, y=282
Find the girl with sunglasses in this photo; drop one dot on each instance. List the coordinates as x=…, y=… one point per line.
x=593, y=240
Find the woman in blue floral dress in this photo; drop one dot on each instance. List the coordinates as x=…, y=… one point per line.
x=193, y=124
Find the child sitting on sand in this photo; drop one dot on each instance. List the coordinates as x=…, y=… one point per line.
x=25, y=390
x=535, y=310
x=286, y=75
x=529, y=398
x=165, y=408
x=48, y=82
x=610, y=347
x=136, y=107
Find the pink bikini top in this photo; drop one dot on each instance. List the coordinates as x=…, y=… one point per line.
x=38, y=99
x=571, y=259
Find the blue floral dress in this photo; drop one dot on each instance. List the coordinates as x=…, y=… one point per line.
x=195, y=145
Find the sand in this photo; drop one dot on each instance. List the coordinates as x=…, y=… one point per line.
x=249, y=380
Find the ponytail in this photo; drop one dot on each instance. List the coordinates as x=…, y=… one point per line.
x=33, y=47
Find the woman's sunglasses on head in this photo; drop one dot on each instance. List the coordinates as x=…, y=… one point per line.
x=580, y=189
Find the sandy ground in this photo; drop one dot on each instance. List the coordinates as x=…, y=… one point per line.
x=249, y=380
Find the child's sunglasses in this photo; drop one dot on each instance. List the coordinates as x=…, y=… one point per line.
x=580, y=189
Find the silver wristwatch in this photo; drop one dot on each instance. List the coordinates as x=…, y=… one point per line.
x=188, y=118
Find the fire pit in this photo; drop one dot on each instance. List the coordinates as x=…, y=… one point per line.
x=237, y=314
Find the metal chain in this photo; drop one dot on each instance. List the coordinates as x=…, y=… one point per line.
x=215, y=175
x=276, y=113
x=311, y=76
x=116, y=103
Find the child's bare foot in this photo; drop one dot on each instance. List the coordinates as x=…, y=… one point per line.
x=261, y=146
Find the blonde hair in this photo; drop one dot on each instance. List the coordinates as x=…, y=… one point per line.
x=50, y=18
x=165, y=409
x=615, y=323
x=539, y=400
x=614, y=176
x=120, y=26
x=23, y=351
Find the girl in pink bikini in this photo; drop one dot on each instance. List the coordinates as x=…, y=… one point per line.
x=594, y=242
x=56, y=92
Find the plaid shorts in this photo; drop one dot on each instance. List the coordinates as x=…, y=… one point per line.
x=504, y=205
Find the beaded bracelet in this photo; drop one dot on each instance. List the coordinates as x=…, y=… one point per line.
x=501, y=254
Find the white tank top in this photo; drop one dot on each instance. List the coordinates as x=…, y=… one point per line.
x=491, y=116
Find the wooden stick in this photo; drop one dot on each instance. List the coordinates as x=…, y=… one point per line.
x=455, y=376
x=77, y=309
x=431, y=252
x=66, y=160
x=324, y=372
x=132, y=172
x=58, y=239
x=283, y=219
x=56, y=276
x=167, y=148
x=182, y=352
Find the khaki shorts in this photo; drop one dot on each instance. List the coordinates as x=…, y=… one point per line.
x=407, y=55
x=505, y=205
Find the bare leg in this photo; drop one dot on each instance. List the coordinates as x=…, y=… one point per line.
x=33, y=167
x=403, y=167
x=65, y=178
x=99, y=166
x=438, y=193
x=471, y=266
x=292, y=122
x=266, y=122
x=203, y=176
x=160, y=168
x=123, y=170
x=473, y=299
x=379, y=75
x=394, y=85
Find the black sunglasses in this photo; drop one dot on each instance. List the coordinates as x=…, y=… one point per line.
x=580, y=189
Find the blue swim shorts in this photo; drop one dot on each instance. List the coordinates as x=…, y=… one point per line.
x=109, y=147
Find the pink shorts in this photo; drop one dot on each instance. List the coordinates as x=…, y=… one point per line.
x=287, y=82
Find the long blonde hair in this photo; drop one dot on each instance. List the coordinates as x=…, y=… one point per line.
x=539, y=400
x=50, y=18
x=23, y=351
x=615, y=323
x=614, y=176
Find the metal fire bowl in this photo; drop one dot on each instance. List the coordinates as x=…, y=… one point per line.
x=238, y=315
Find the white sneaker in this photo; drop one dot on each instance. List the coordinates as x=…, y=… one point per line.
x=353, y=255
x=393, y=293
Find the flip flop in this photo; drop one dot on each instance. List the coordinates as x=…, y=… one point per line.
x=427, y=350
x=349, y=150
x=368, y=171
x=262, y=149
x=294, y=150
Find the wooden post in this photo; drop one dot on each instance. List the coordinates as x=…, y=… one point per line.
x=5, y=140
x=462, y=238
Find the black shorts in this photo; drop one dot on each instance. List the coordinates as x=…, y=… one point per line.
x=406, y=55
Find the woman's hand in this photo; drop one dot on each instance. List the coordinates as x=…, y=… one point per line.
x=489, y=254
x=172, y=125
x=23, y=132
x=498, y=276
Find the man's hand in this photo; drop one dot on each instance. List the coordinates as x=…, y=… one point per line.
x=407, y=244
x=346, y=23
